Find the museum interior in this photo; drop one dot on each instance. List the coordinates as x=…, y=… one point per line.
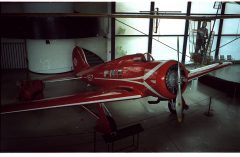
x=120, y=76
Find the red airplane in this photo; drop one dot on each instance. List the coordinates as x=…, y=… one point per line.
x=129, y=77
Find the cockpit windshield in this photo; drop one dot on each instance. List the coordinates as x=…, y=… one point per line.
x=146, y=57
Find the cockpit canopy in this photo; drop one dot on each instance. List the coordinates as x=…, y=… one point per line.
x=146, y=57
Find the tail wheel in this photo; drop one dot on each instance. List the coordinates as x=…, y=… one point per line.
x=172, y=106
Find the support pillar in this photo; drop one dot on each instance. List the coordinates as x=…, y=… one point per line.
x=150, y=34
x=186, y=33
x=220, y=32
x=113, y=10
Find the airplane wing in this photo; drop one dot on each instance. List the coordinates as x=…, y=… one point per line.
x=92, y=97
x=206, y=69
x=60, y=77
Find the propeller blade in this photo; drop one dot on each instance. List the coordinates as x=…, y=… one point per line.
x=179, y=105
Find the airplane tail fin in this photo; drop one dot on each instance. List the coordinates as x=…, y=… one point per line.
x=79, y=60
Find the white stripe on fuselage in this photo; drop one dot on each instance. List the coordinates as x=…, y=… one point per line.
x=125, y=80
x=105, y=94
x=148, y=74
x=64, y=79
x=145, y=77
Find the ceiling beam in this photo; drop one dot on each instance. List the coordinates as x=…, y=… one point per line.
x=122, y=16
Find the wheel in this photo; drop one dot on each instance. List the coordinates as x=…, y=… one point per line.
x=172, y=106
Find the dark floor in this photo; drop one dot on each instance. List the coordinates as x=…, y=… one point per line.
x=70, y=129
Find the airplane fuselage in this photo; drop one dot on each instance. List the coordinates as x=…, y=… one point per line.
x=150, y=78
x=125, y=78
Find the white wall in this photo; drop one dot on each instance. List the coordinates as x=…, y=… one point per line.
x=98, y=45
x=56, y=56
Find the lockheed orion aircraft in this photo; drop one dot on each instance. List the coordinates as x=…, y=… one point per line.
x=129, y=77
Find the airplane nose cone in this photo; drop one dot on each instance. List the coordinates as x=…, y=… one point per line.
x=172, y=79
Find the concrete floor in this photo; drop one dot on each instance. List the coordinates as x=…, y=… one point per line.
x=70, y=129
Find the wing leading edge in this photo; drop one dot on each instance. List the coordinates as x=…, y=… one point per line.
x=100, y=96
x=206, y=69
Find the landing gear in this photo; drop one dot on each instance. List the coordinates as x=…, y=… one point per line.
x=112, y=123
x=105, y=122
x=172, y=106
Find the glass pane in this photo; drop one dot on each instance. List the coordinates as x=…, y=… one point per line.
x=130, y=45
x=213, y=49
x=216, y=26
x=189, y=51
x=231, y=26
x=122, y=27
x=171, y=6
x=232, y=8
x=204, y=7
x=230, y=49
x=131, y=6
x=139, y=24
x=162, y=52
x=170, y=27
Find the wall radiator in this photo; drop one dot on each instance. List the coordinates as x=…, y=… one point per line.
x=13, y=55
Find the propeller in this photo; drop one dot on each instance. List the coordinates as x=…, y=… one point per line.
x=179, y=104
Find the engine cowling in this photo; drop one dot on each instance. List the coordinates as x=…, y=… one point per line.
x=167, y=79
